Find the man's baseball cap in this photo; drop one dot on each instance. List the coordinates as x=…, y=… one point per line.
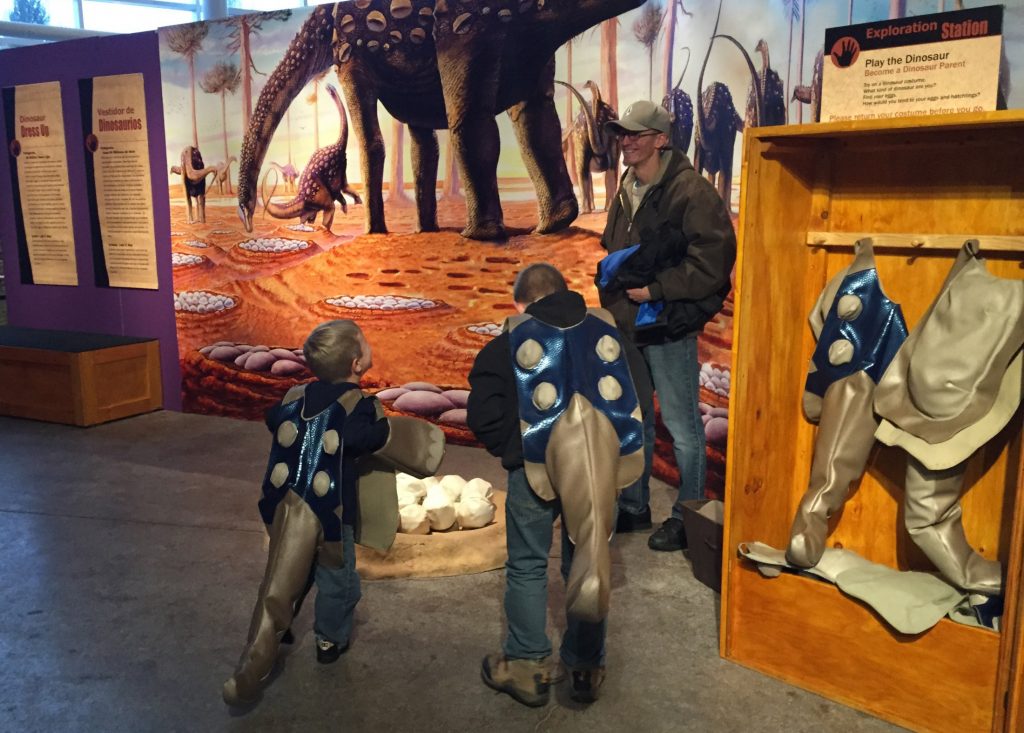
x=640, y=116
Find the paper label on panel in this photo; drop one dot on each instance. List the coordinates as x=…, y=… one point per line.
x=42, y=164
x=119, y=144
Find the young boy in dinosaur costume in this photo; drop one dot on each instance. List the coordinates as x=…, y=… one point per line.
x=330, y=483
x=559, y=397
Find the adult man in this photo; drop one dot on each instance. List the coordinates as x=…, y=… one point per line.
x=554, y=398
x=665, y=291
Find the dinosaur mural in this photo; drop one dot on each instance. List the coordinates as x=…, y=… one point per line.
x=323, y=182
x=768, y=88
x=223, y=177
x=717, y=125
x=680, y=107
x=287, y=172
x=594, y=150
x=438, y=64
x=812, y=94
x=193, y=179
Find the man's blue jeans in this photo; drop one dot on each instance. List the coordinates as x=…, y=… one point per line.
x=528, y=521
x=676, y=376
x=337, y=593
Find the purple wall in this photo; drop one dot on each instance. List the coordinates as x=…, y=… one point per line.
x=121, y=311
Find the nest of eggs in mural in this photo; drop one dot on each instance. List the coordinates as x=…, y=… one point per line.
x=364, y=307
x=447, y=526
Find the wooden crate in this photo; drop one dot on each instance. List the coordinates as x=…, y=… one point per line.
x=76, y=378
x=919, y=187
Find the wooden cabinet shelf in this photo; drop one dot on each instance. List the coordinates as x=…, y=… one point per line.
x=932, y=178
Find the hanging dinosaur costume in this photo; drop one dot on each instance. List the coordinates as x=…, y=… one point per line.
x=582, y=438
x=302, y=509
x=859, y=331
x=953, y=386
x=942, y=392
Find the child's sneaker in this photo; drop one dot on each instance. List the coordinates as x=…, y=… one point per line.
x=526, y=680
x=327, y=652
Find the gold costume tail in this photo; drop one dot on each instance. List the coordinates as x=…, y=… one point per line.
x=583, y=465
x=295, y=535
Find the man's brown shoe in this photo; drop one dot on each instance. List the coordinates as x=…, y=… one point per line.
x=527, y=680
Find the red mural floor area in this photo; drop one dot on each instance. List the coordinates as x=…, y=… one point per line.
x=427, y=302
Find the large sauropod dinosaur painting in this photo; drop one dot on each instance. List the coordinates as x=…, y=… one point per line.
x=438, y=64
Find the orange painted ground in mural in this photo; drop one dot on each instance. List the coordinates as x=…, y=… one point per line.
x=427, y=302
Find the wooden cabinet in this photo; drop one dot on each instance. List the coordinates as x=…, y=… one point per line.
x=77, y=378
x=919, y=187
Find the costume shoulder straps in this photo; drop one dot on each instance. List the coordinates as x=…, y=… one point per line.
x=602, y=314
x=295, y=393
x=512, y=321
x=350, y=399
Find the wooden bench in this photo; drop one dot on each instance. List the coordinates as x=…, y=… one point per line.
x=77, y=378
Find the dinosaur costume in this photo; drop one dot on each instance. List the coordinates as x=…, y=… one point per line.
x=942, y=392
x=859, y=331
x=582, y=438
x=954, y=385
x=302, y=507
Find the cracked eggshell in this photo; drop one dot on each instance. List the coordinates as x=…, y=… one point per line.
x=479, y=488
x=412, y=519
x=440, y=508
x=453, y=484
x=474, y=513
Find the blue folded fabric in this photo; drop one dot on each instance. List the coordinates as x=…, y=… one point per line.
x=609, y=267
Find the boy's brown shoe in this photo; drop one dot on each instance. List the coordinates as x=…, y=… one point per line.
x=527, y=680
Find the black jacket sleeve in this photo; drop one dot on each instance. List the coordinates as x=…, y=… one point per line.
x=492, y=411
x=365, y=432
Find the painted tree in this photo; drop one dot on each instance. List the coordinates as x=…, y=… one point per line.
x=646, y=29
x=793, y=11
x=610, y=83
x=570, y=147
x=396, y=183
x=29, y=11
x=800, y=56
x=667, y=54
x=187, y=41
x=222, y=79
x=243, y=27
x=452, y=187
x=609, y=61
x=314, y=100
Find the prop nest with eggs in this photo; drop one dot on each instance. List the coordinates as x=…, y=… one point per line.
x=448, y=526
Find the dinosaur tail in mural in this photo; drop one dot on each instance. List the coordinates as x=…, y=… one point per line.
x=303, y=62
x=263, y=188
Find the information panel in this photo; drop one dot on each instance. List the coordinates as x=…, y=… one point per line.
x=926, y=64
x=121, y=195
x=35, y=141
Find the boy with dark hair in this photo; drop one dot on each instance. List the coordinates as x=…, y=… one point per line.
x=554, y=397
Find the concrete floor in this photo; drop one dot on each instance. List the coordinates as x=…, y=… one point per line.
x=132, y=553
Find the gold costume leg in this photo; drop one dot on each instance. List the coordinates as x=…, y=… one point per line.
x=295, y=535
x=846, y=433
x=582, y=461
x=933, y=518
